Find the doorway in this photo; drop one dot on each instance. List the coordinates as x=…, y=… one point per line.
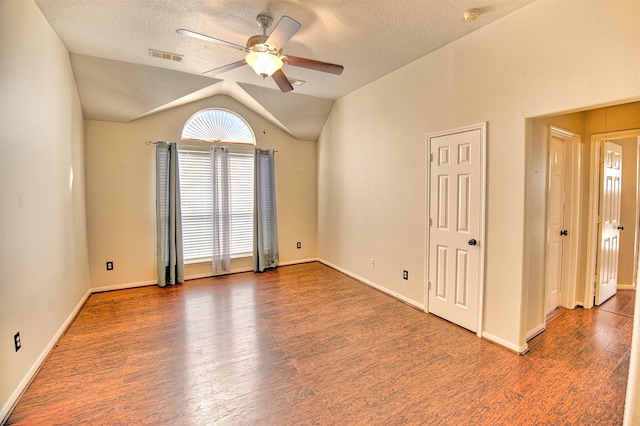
x=606, y=120
x=613, y=247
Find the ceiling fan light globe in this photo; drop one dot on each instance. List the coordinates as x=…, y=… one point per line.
x=264, y=63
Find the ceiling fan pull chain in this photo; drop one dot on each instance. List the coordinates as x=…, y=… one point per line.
x=264, y=107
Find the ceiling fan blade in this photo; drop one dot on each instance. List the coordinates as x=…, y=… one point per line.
x=211, y=39
x=283, y=31
x=282, y=81
x=313, y=65
x=228, y=67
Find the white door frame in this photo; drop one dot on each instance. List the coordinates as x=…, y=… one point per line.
x=597, y=142
x=483, y=179
x=636, y=245
x=572, y=216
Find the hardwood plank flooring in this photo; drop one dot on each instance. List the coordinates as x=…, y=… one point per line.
x=307, y=345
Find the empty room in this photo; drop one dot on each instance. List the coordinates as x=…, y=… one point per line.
x=319, y=212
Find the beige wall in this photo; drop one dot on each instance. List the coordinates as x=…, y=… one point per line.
x=121, y=192
x=371, y=184
x=43, y=248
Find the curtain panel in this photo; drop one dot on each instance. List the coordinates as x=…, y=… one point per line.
x=265, y=231
x=221, y=256
x=170, y=258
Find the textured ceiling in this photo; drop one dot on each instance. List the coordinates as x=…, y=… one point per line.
x=109, y=42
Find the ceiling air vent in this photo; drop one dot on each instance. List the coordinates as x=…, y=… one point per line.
x=296, y=82
x=165, y=55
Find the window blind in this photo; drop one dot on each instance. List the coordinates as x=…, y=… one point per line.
x=241, y=203
x=197, y=204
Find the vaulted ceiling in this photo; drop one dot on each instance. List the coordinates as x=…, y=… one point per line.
x=118, y=80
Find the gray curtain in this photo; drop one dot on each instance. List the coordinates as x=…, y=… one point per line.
x=265, y=217
x=170, y=257
x=221, y=256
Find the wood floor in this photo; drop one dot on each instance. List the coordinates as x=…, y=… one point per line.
x=307, y=345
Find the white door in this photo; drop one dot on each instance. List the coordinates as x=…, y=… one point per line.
x=455, y=226
x=607, y=260
x=555, y=225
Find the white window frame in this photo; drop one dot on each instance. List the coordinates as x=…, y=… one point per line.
x=217, y=127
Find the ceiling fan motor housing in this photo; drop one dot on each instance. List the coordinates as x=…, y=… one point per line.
x=257, y=44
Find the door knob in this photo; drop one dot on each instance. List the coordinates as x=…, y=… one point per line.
x=621, y=228
x=564, y=232
x=472, y=242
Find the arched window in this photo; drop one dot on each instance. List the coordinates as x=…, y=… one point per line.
x=219, y=127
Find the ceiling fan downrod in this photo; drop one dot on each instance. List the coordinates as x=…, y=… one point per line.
x=264, y=22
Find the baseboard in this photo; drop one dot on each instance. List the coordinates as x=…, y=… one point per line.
x=125, y=286
x=31, y=374
x=374, y=285
x=537, y=330
x=521, y=350
x=626, y=287
x=297, y=262
x=122, y=286
x=240, y=270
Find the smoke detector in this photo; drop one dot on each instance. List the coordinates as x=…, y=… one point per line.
x=471, y=15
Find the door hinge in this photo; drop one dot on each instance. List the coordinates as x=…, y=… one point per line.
x=431, y=156
x=430, y=222
x=429, y=285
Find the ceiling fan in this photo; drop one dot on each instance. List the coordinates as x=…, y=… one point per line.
x=264, y=53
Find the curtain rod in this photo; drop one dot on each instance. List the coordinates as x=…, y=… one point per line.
x=157, y=142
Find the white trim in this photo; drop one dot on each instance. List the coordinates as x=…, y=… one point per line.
x=482, y=126
x=592, y=223
x=299, y=261
x=123, y=286
x=626, y=287
x=26, y=381
x=211, y=275
x=198, y=276
x=521, y=350
x=246, y=269
x=533, y=333
x=636, y=236
x=374, y=285
x=483, y=212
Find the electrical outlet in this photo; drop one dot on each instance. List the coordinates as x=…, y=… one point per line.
x=405, y=274
x=17, y=342
x=110, y=266
x=299, y=245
